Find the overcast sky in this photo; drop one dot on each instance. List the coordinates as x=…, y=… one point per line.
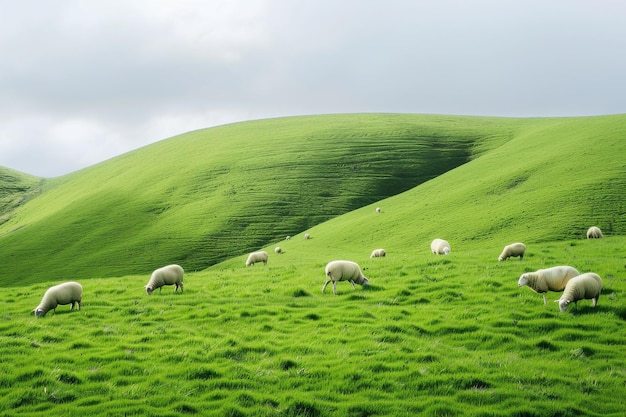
x=82, y=81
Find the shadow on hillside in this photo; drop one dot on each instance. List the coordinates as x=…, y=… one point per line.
x=372, y=288
x=588, y=309
x=621, y=313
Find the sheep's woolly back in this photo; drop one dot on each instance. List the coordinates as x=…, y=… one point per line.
x=549, y=279
x=512, y=250
x=65, y=293
x=583, y=287
x=594, y=232
x=440, y=247
x=254, y=257
x=167, y=275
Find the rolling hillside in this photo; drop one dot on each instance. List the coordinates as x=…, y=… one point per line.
x=205, y=196
x=16, y=188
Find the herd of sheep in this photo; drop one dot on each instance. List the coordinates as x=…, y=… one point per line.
x=574, y=285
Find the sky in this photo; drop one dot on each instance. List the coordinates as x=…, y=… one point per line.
x=84, y=81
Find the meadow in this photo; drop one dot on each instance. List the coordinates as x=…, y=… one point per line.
x=433, y=335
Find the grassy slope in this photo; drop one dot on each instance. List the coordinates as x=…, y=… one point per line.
x=208, y=195
x=551, y=181
x=433, y=335
x=16, y=188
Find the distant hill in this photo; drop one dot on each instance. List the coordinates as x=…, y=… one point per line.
x=16, y=188
x=205, y=196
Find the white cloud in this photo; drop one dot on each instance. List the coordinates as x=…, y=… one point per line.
x=84, y=81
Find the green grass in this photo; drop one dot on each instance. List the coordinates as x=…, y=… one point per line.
x=205, y=196
x=16, y=188
x=433, y=335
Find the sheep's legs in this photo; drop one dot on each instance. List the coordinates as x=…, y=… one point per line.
x=334, y=286
x=544, y=300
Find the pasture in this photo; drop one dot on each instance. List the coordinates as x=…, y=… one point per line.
x=433, y=335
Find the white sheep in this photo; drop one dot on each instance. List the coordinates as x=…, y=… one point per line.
x=288, y=237
x=594, y=232
x=254, y=257
x=512, y=250
x=307, y=236
x=167, y=275
x=549, y=279
x=440, y=247
x=344, y=271
x=65, y=293
x=377, y=209
x=378, y=253
x=277, y=249
x=583, y=287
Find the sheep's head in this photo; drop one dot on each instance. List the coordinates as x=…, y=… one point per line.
x=446, y=250
x=364, y=281
x=522, y=281
x=149, y=289
x=563, y=304
x=39, y=312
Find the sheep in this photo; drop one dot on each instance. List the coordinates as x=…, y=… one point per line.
x=167, y=275
x=277, y=249
x=377, y=209
x=594, y=232
x=307, y=236
x=344, y=271
x=378, y=253
x=583, y=287
x=255, y=257
x=440, y=247
x=65, y=293
x=549, y=279
x=288, y=237
x=512, y=250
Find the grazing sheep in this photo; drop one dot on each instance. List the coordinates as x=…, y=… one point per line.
x=255, y=257
x=307, y=236
x=277, y=249
x=378, y=253
x=167, y=275
x=440, y=247
x=377, y=209
x=344, y=271
x=512, y=250
x=66, y=293
x=288, y=237
x=583, y=287
x=549, y=279
x=594, y=232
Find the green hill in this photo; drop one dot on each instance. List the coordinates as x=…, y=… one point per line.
x=16, y=188
x=203, y=197
x=432, y=335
